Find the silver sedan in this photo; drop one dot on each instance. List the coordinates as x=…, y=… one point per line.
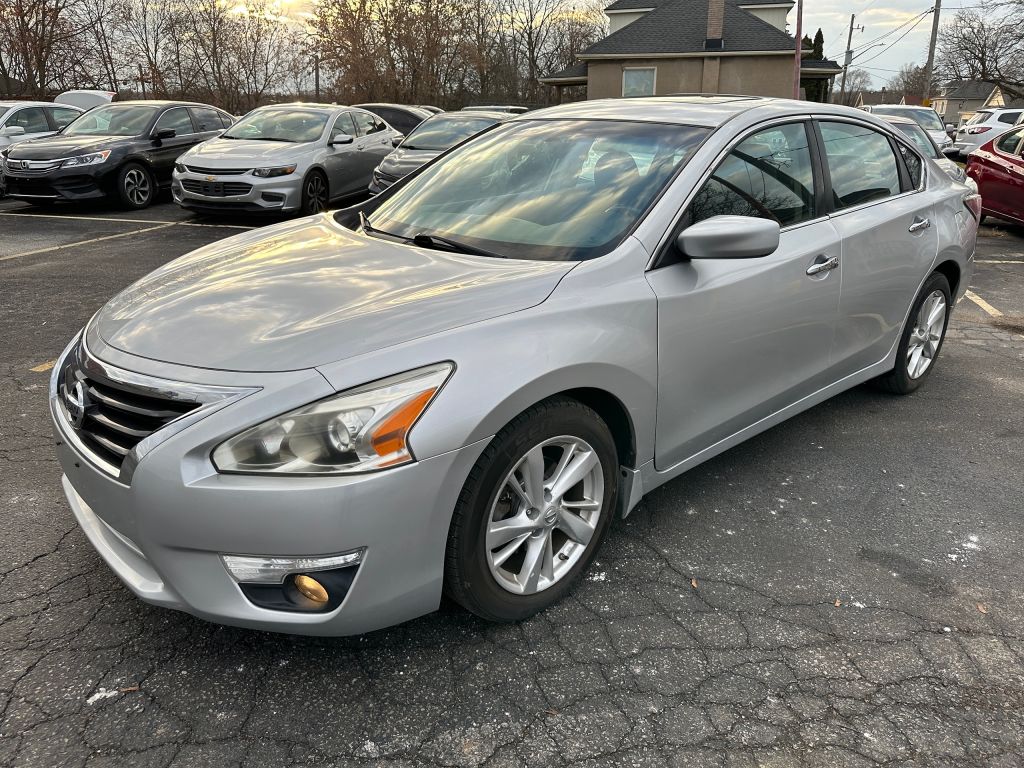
x=454, y=387
x=283, y=158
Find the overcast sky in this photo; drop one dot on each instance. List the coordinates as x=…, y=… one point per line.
x=878, y=17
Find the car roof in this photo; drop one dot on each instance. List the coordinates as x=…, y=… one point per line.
x=709, y=111
x=474, y=115
x=159, y=103
x=15, y=103
x=309, y=106
x=897, y=120
x=406, y=107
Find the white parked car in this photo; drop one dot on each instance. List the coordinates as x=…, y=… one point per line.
x=282, y=158
x=986, y=124
x=22, y=120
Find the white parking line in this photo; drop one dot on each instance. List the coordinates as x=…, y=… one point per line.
x=123, y=221
x=164, y=225
x=983, y=304
x=998, y=261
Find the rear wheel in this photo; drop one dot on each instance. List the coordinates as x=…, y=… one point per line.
x=533, y=512
x=922, y=338
x=135, y=186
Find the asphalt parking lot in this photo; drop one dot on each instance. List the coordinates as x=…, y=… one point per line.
x=843, y=590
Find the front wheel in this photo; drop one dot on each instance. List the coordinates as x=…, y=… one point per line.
x=315, y=194
x=922, y=338
x=135, y=186
x=533, y=512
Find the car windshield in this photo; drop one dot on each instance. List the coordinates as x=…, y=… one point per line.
x=294, y=125
x=926, y=118
x=113, y=120
x=445, y=131
x=916, y=134
x=554, y=190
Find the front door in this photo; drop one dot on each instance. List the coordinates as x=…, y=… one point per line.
x=739, y=339
x=886, y=222
x=32, y=120
x=166, y=151
x=344, y=162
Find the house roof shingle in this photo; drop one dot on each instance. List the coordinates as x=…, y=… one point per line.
x=636, y=5
x=969, y=89
x=679, y=26
x=575, y=72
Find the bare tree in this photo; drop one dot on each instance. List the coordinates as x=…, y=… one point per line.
x=909, y=80
x=986, y=45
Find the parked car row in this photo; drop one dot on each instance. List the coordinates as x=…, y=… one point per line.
x=281, y=158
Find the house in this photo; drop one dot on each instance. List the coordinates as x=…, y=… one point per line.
x=658, y=47
x=961, y=99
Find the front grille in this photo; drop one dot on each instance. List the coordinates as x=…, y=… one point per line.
x=216, y=171
x=216, y=188
x=31, y=167
x=111, y=419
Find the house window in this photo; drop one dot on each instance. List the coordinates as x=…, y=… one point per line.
x=639, y=81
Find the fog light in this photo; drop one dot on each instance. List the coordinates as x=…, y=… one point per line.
x=311, y=588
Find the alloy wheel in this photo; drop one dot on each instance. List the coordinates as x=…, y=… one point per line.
x=545, y=514
x=927, y=334
x=316, y=193
x=136, y=187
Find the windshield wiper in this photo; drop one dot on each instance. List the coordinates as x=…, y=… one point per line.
x=369, y=229
x=433, y=241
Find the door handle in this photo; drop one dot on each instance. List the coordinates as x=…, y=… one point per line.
x=919, y=224
x=823, y=266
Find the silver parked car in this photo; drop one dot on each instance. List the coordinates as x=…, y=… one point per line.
x=282, y=158
x=428, y=140
x=926, y=145
x=321, y=426
x=926, y=117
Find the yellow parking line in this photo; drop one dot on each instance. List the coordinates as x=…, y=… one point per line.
x=983, y=304
x=83, y=242
x=122, y=221
x=43, y=367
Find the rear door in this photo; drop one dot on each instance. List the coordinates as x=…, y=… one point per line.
x=889, y=239
x=208, y=123
x=747, y=336
x=372, y=145
x=61, y=116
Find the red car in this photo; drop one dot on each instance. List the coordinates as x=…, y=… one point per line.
x=998, y=168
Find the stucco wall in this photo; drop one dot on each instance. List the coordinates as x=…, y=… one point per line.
x=753, y=75
x=617, y=21
x=774, y=16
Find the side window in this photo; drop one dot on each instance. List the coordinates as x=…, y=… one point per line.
x=176, y=119
x=206, y=119
x=62, y=115
x=226, y=120
x=343, y=125
x=32, y=119
x=861, y=163
x=768, y=175
x=639, y=81
x=1008, y=117
x=1006, y=143
x=366, y=123
x=914, y=165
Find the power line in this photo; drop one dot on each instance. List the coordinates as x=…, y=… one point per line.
x=897, y=29
x=890, y=45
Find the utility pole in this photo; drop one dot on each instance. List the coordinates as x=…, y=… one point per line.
x=799, y=45
x=848, y=59
x=931, y=53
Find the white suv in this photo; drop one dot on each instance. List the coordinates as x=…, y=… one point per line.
x=984, y=125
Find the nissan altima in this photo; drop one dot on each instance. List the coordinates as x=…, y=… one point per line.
x=453, y=388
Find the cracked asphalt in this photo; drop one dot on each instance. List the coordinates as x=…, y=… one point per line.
x=844, y=590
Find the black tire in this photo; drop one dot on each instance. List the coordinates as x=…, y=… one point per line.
x=468, y=579
x=315, y=193
x=898, y=380
x=136, y=188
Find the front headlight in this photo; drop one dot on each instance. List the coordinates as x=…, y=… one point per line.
x=94, y=158
x=269, y=173
x=360, y=430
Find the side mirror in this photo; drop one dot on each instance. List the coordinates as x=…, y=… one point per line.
x=729, y=237
x=165, y=133
x=12, y=130
x=397, y=140
x=341, y=138
x=950, y=127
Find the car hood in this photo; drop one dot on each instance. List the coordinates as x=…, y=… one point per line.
x=53, y=147
x=310, y=292
x=228, y=153
x=404, y=161
x=940, y=137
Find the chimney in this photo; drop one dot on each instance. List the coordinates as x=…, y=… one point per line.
x=716, y=18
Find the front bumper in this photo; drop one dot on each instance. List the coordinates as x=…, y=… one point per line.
x=164, y=530
x=380, y=182
x=243, y=193
x=60, y=184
